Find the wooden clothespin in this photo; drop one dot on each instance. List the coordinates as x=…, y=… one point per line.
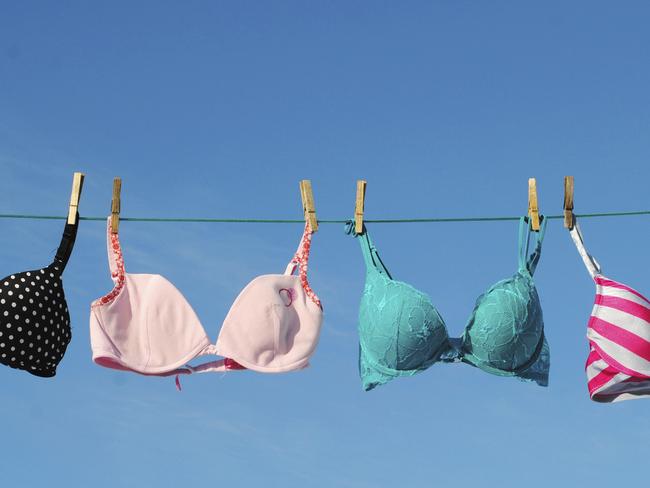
x=533, y=207
x=358, y=208
x=115, y=205
x=308, y=204
x=77, y=185
x=568, y=202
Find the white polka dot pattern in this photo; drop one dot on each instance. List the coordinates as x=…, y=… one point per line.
x=34, y=321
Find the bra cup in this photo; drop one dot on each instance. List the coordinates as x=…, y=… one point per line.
x=506, y=327
x=272, y=326
x=34, y=321
x=399, y=329
x=149, y=327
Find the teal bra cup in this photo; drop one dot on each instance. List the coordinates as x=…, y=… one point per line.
x=401, y=332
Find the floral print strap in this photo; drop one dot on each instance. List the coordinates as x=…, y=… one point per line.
x=300, y=260
x=116, y=265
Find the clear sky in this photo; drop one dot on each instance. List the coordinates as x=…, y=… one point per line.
x=218, y=109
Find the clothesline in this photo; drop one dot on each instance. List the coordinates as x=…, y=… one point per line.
x=325, y=221
x=35, y=320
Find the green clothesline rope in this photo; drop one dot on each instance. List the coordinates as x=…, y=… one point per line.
x=300, y=221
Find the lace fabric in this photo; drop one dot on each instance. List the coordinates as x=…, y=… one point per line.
x=382, y=354
x=505, y=333
x=401, y=333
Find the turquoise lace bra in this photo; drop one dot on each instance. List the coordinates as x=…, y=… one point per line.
x=401, y=333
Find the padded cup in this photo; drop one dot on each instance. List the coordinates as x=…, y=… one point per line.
x=273, y=325
x=399, y=328
x=401, y=333
x=506, y=328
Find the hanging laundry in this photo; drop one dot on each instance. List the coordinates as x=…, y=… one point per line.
x=274, y=324
x=618, y=331
x=34, y=319
x=145, y=325
x=401, y=332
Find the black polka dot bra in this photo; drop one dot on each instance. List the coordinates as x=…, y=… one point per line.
x=34, y=319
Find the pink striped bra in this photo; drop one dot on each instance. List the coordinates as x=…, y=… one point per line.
x=145, y=325
x=618, y=365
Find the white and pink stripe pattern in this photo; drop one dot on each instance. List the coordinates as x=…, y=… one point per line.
x=618, y=366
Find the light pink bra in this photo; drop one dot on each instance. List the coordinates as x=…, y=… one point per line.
x=146, y=325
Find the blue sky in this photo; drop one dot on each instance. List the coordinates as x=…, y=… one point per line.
x=218, y=109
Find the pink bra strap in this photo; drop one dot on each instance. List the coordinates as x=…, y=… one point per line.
x=301, y=260
x=115, y=264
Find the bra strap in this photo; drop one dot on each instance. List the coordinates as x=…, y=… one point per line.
x=370, y=253
x=590, y=262
x=525, y=261
x=300, y=260
x=115, y=264
x=67, y=244
x=114, y=252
